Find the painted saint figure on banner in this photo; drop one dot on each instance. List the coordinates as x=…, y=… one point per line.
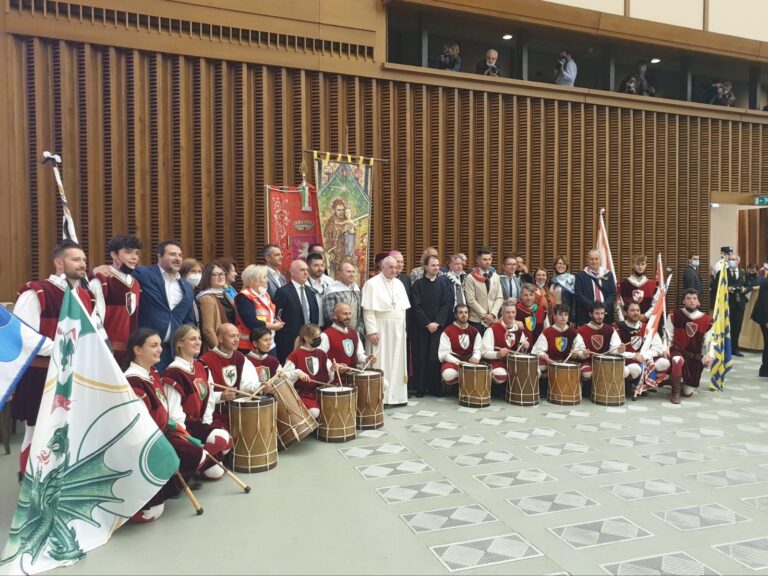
x=344, y=204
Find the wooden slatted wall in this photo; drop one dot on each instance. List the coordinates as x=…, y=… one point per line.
x=178, y=146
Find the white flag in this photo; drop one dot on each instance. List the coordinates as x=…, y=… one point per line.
x=97, y=456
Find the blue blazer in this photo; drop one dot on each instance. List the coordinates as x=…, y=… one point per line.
x=585, y=296
x=288, y=304
x=154, y=311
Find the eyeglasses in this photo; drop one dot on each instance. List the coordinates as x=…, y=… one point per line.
x=218, y=274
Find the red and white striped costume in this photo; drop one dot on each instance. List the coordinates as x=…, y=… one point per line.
x=457, y=344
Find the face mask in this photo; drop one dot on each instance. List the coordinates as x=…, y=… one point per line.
x=316, y=342
x=194, y=279
x=695, y=263
x=732, y=264
x=690, y=310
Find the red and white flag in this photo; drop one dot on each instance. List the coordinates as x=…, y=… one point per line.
x=606, y=259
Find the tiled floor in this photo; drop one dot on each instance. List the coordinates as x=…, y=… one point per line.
x=647, y=488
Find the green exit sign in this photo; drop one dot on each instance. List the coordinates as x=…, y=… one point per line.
x=761, y=200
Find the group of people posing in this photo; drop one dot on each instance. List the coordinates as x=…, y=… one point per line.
x=187, y=339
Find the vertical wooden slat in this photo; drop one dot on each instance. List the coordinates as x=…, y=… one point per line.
x=182, y=146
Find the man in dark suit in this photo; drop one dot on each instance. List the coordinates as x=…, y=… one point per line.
x=691, y=275
x=166, y=300
x=594, y=284
x=296, y=304
x=737, y=298
x=760, y=315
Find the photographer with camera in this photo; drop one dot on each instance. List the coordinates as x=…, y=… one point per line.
x=565, y=68
x=488, y=67
x=720, y=94
x=637, y=82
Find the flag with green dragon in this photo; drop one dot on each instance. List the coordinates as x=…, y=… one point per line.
x=97, y=456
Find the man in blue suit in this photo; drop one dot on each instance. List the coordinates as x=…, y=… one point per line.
x=296, y=304
x=594, y=284
x=166, y=300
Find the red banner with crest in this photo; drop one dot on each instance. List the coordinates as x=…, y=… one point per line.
x=293, y=221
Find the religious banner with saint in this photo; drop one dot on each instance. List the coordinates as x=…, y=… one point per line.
x=293, y=220
x=344, y=201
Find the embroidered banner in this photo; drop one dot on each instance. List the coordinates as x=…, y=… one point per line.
x=293, y=223
x=344, y=202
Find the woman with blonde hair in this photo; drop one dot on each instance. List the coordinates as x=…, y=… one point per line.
x=255, y=308
x=191, y=398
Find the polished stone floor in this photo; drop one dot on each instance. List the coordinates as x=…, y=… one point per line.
x=647, y=488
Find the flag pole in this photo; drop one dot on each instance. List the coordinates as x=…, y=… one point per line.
x=68, y=228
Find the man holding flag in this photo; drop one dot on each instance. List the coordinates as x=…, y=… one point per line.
x=39, y=306
x=96, y=456
x=654, y=350
x=689, y=331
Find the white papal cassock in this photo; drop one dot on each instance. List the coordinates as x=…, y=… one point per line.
x=384, y=305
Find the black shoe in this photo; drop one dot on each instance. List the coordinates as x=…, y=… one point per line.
x=737, y=353
x=438, y=393
x=419, y=394
x=195, y=485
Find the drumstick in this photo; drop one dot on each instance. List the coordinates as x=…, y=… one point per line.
x=569, y=356
x=229, y=473
x=268, y=382
x=320, y=383
x=355, y=370
x=188, y=492
x=338, y=376
x=250, y=395
x=365, y=366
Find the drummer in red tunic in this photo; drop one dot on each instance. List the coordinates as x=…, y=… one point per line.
x=144, y=348
x=459, y=342
x=187, y=385
x=309, y=367
x=504, y=336
x=267, y=365
x=594, y=338
x=227, y=366
x=689, y=331
x=342, y=344
x=556, y=342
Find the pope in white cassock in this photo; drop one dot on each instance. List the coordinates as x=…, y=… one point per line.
x=384, y=304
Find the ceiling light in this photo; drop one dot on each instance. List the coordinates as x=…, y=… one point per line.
x=714, y=205
x=655, y=60
x=507, y=37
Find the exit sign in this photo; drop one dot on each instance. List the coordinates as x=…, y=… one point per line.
x=761, y=200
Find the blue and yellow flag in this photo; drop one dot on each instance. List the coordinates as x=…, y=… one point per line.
x=721, y=334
